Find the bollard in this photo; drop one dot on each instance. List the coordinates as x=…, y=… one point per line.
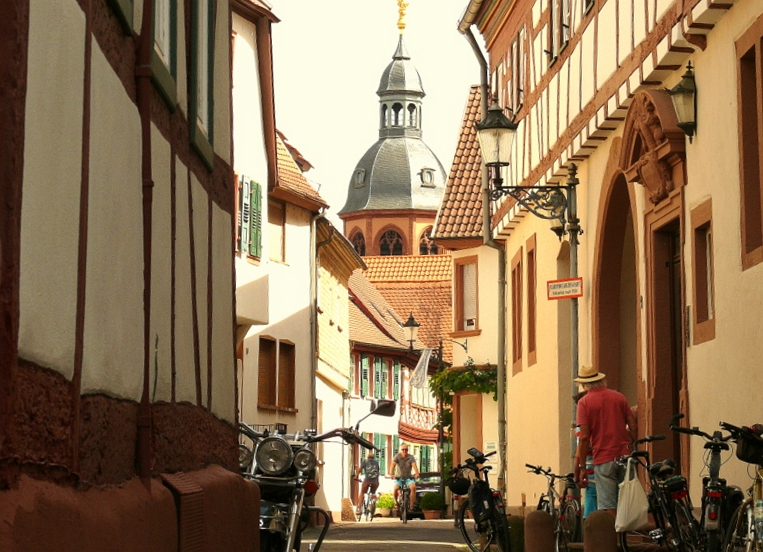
x=539, y=532
x=599, y=532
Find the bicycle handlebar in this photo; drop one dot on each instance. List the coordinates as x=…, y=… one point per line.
x=548, y=473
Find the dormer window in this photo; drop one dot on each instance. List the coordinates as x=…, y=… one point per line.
x=359, y=178
x=427, y=178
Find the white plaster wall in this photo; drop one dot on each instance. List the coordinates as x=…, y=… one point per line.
x=606, y=56
x=222, y=78
x=625, y=30
x=640, y=13
x=200, y=220
x=160, y=344
x=113, y=333
x=553, y=110
x=52, y=176
x=223, y=361
x=185, y=381
x=587, y=60
x=336, y=472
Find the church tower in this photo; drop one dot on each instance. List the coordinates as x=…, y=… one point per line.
x=395, y=190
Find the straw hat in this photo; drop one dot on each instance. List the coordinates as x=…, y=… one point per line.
x=588, y=374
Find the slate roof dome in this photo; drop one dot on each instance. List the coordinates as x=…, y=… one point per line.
x=399, y=171
x=400, y=75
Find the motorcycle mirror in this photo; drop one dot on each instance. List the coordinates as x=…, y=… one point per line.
x=384, y=407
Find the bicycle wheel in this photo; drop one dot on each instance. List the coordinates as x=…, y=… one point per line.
x=567, y=525
x=740, y=536
x=502, y=534
x=685, y=528
x=363, y=505
x=404, y=507
x=478, y=536
x=371, y=508
x=648, y=537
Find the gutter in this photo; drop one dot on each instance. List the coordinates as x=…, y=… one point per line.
x=487, y=236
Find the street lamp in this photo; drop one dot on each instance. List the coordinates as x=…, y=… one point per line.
x=412, y=327
x=496, y=134
x=684, y=96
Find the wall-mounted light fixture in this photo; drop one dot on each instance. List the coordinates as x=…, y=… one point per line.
x=684, y=96
x=412, y=327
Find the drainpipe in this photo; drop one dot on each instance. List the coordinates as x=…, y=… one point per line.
x=487, y=239
x=314, y=246
x=143, y=83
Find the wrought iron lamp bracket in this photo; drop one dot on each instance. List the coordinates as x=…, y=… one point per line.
x=546, y=202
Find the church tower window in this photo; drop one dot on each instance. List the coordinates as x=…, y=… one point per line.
x=391, y=243
x=427, y=245
x=359, y=243
x=412, y=122
x=397, y=115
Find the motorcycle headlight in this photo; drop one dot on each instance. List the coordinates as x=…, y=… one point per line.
x=274, y=455
x=304, y=460
x=245, y=455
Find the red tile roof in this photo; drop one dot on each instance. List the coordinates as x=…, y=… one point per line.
x=460, y=214
x=291, y=179
x=422, y=285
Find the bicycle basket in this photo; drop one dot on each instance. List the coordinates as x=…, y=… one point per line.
x=458, y=485
x=749, y=449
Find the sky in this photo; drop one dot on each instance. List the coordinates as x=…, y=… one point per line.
x=328, y=58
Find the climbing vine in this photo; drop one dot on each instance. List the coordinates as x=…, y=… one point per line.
x=472, y=377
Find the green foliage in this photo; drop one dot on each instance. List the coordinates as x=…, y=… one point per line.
x=472, y=377
x=432, y=501
x=385, y=501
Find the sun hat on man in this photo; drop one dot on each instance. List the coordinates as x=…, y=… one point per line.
x=589, y=374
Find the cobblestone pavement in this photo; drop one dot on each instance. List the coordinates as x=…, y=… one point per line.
x=389, y=534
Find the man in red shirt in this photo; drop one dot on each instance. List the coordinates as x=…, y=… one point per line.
x=606, y=424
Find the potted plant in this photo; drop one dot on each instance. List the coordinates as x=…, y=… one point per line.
x=431, y=505
x=384, y=505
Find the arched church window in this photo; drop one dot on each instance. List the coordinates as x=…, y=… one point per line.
x=391, y=243
x=385, y=116
x=427, y=245
x=359, y=243
x=397, y=115
x=412, y=115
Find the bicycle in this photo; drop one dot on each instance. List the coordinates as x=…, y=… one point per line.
x=669, y=506
x=745, y=531
x=719, y=500
x=368, y=506
x=568, y=514
x=482, y=518
x=404, y=503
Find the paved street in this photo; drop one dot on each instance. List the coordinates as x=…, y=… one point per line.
x=384, y=534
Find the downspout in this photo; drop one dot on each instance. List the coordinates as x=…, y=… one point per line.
x=487, y=237
x=143, y=84
x=314, y=246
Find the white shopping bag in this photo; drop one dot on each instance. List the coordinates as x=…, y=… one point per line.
x=632, y=506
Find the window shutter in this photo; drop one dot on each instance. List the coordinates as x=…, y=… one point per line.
x=363, y=375
x=286, y=368
x=382, y=453
x=241, y=227
x=384, y=381
x=470, y=296
x=396, y=381
x=396, y=443
x=255, y=218
x=266, y=379
x=377, y=377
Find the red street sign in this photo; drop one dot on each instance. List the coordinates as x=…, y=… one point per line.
x=565, y=289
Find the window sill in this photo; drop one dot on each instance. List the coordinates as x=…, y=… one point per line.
x=465, y=333
x=277, y=408
x=704, y=331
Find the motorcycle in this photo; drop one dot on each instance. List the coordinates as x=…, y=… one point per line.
x=283, y=465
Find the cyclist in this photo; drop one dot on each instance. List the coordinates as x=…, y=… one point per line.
x=369, y=466
x=408, y=471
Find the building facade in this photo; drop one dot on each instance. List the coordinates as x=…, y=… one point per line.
x=117, y=379
x=671, y=239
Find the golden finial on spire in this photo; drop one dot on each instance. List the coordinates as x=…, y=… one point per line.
x=401, y=4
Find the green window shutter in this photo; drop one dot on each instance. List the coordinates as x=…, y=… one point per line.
x=363, y=375
x=396, y=381
x=383, y=454
x=242, y=219
x=426, y=458
x=255, y=232
x=396, y=443
x=377, y=376
x=384, y=383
